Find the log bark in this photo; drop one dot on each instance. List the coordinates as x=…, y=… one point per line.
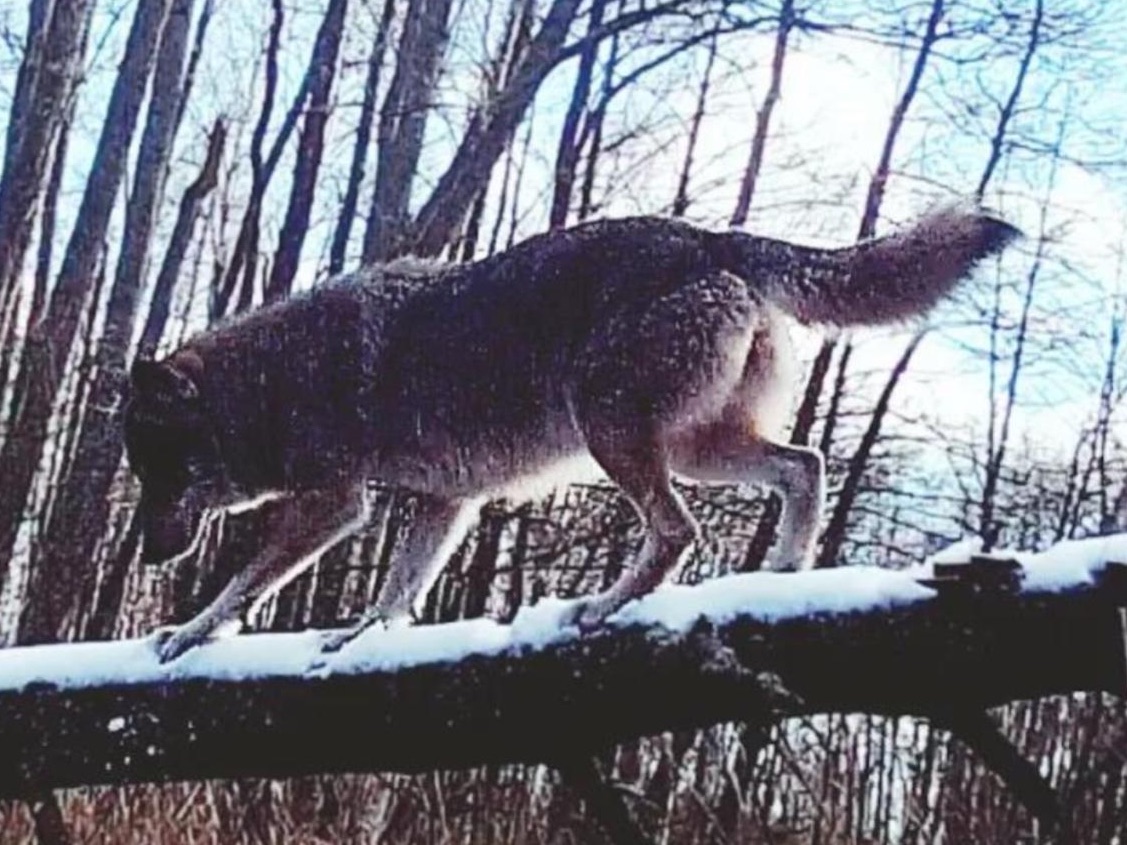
x=976, y=642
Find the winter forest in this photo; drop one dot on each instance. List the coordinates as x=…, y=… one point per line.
x=169, y=163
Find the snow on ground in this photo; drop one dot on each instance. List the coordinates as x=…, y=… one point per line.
x=765, y=595
x=1066, y=564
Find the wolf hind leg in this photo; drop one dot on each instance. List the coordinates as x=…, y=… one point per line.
x=636, y=462
x=727, y=451
x=438, y=526
x=648, y=372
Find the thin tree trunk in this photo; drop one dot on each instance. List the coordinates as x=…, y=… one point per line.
x=52, y=339
x=10, y=342
x=1007, y=112
x=593, y=133
x=833, y=410
x=473, y=228
x=243, y=261
x=834, y=534
x=204, y=184
x=763, y=116
x=47, y=78
x=567, y=152
x=517, y=36
x=320, y=73
x=486, y=136
x=988, y=528
x=363, y=141
x=681, y=199
x=39, y=21
x=403, y=120
x=995, y=438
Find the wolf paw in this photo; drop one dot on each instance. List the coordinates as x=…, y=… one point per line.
x=782, y=562
x=334, y=641
x=172, y=641
x=589, y=614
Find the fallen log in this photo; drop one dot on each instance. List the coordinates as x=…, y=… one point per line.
x=940, y=641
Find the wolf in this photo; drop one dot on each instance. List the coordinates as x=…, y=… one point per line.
x=649, y=346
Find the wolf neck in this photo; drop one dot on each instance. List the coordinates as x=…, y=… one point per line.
x=286, y=392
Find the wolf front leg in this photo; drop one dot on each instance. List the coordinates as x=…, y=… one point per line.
x=300, y=528
x=437, y=527
x=728, y=452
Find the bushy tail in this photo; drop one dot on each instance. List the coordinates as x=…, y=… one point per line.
x=884, y=280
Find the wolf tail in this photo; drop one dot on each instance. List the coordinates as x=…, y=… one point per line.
x=883, y=280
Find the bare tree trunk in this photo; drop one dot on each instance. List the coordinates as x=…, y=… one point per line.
x=517, y=35
x=1109, y=520
x=78, y=518
x=10, y=341
x=763, y=116
x=403, y=119
x=681, y=199
x=1007, y=112
x=473, y=228
x=45, y=83
x=834, y=534
x=27, y=77
x=996, y=437
x=363, y=141
x=243, y=262
x=593, y=133
x=833, y=409
x=320, y=73
x=989, y=528
x=486, y=136
x=567, y=152
x=52, y=339
x=186, y=217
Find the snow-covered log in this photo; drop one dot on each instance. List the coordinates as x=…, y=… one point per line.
x=943, y=642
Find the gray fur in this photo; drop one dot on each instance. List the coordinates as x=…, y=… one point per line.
x=649, y=344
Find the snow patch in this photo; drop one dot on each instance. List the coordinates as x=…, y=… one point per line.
x=1065, y=565
x=768, y=596
x=771, y=596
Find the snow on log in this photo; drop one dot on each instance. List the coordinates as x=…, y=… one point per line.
x=951, y=637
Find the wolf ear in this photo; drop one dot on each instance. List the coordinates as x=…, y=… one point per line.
x=161, y=381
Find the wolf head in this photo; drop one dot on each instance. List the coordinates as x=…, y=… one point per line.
x=172, y=449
